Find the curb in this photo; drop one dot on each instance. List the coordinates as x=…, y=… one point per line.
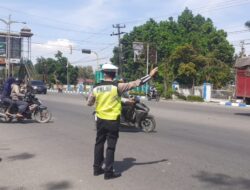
x=67, y=92
x=234, y=104
x=223, y=103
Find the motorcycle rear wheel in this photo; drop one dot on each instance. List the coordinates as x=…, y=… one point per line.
x=42, y=116
x=148, y=124
x=2, y=118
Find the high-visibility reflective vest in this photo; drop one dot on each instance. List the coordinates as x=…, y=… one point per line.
x=108, y=101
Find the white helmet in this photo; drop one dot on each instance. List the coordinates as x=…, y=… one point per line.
x=109, y=68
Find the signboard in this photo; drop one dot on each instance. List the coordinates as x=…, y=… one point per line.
x=2, y=49
x=138, y=48
x=14, y=60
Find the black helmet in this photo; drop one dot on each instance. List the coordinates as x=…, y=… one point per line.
x=18, y=81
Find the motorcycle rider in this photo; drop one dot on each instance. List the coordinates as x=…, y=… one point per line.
x=17, y=96
x=127, y=106
x=153, y=91
x=5, y=97
x=107, y=96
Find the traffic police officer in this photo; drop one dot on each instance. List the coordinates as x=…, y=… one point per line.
x=107, y=96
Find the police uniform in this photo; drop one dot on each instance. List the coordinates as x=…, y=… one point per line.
x=107, y=96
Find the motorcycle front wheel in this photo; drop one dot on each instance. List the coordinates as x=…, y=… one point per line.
x=157, y=98
x=42, y=116
x=148, y=124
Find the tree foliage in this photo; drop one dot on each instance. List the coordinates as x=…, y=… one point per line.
x=190, y=50
x=247, y=24
x=54, y=70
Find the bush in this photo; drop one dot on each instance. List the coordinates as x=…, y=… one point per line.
x=195, y=99
x=169, y=94
x=180, y=96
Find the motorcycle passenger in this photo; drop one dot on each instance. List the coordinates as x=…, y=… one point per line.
x=5, y=97
x=107, y=96
x=17, y=96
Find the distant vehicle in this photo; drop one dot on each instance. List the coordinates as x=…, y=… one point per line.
x=38, y=86
x=242, y=90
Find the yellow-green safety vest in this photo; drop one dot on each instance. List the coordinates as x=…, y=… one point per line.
x=108, y=101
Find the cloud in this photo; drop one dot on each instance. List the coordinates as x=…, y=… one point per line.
x=94, y=15
x=50, y=48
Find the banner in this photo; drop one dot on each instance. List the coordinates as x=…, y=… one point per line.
x=138, y=48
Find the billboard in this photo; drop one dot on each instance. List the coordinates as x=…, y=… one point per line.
x=15, y=47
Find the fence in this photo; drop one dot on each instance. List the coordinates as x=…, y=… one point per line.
x=222, y=94
x=198, y=91
x=225, y=94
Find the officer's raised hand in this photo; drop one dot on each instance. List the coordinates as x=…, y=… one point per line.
x=153, y=71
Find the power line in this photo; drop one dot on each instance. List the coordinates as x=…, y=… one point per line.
x=57, y=21
x=228, y=4
x=239, y=31
x=39, y=16
x=91, y=60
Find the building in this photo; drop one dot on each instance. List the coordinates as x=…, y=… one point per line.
x=242, y=90
x=17, y=54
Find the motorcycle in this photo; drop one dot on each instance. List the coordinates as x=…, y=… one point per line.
x=35, y=110
x=153, y=95
x=137, y=115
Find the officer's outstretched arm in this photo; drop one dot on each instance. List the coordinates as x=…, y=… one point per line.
x=148, y=77
x=123, y=87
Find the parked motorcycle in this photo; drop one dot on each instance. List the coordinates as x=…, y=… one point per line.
x=137, y=115
x=35, y=110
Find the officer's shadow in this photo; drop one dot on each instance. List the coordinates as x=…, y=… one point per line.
x=127, y=163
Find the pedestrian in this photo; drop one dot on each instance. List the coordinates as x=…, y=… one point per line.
x=107, y=96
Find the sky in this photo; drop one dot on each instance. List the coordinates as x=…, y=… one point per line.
x=87, y=24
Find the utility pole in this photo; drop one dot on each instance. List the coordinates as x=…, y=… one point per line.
x=68, y=87
x=118, y=26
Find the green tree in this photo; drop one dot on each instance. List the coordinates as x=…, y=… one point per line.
x=247, y=24
x=54, y=70
x=85, y=72
x=190, y=39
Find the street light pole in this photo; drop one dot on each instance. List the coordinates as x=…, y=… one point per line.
x=8, y=23
x=97, y=59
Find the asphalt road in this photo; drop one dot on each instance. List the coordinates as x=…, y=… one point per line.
x=195, y=146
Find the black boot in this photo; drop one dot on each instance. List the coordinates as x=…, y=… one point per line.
x=111, y=175
x=98, y=172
